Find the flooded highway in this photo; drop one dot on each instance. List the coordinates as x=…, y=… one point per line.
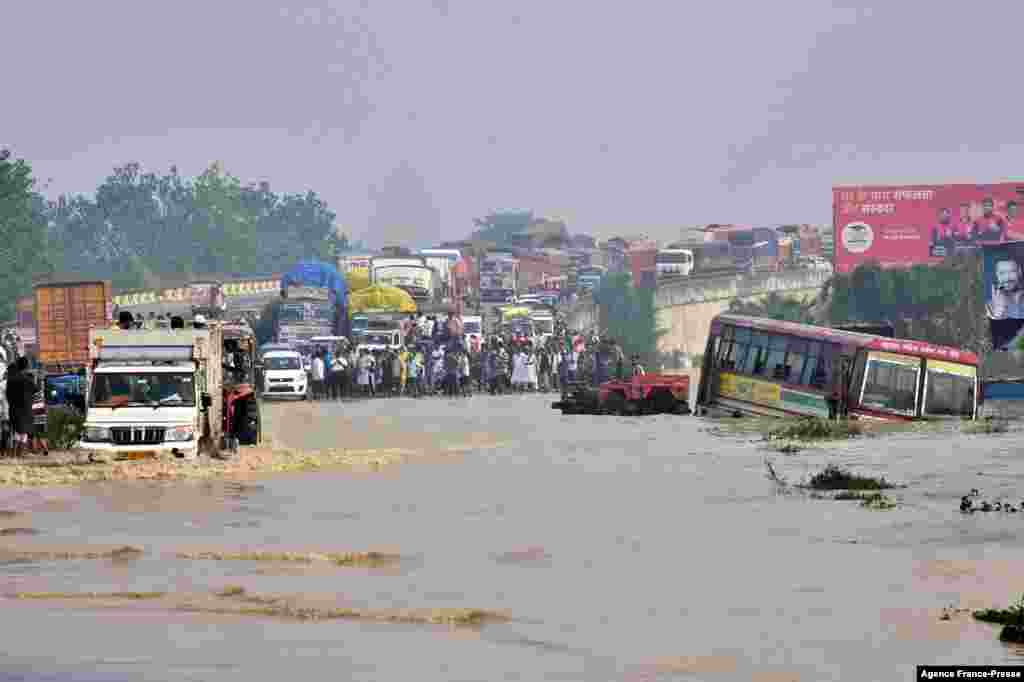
x=514, y=543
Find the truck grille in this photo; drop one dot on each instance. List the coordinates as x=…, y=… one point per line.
x=150, y=435
x=280, y=381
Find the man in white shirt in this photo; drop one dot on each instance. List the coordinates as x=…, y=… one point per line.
x=318, y=375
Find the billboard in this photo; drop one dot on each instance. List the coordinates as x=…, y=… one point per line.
x=1004, y=291
x=921, y=224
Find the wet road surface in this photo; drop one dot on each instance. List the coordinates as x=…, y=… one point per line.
x=622, y=549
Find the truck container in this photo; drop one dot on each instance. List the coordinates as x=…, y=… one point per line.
x=206, y=298
x=65, y=312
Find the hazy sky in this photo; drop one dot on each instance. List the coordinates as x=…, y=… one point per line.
x=413, y=117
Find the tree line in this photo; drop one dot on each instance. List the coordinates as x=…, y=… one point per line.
x=142, y=229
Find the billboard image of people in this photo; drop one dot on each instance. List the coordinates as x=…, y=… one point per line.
x=922, y=224
x=1004, y=289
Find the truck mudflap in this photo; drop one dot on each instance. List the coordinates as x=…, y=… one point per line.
x=640, y=395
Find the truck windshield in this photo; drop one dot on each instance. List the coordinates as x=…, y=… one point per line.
x=283, y=363
x=143, y=388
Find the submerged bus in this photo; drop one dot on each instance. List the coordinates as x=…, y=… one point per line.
x=766, y=367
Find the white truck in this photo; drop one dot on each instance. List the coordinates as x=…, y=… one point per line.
x=543, y=325
x=154, y=393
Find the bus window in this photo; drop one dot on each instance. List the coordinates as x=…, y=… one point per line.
x=949, y=389
x=774, y=366
x=796, y=358
x=811, y=363
x=890, y=383
x=751, y=364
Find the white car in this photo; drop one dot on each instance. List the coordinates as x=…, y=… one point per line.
x=284, y=376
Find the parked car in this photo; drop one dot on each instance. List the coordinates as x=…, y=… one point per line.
x=284, y=375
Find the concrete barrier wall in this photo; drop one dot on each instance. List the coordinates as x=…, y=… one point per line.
x=685, y=307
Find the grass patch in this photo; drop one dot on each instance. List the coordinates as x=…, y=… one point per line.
x=1012, y=620
x=270, y=609
x=370, y=559
x=833, y=477
x=121, y=553
x=87, y=595
x=815, y=428
x=986, y=426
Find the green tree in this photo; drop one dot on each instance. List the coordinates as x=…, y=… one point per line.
x=144, y=229
x=628, y=315
x=777, y=307
x=23, y=255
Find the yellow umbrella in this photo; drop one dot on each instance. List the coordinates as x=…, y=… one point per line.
x=357, y=279
x=381, y=297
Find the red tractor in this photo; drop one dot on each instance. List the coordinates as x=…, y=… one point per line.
x=241, y=408
x=642, y=394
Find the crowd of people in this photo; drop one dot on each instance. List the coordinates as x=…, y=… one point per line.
x=443, y=363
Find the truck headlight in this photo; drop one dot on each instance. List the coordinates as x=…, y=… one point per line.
x=178, y=434
x=96, y=434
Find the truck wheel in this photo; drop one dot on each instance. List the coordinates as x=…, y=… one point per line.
x=248, y=426
x=663, y=402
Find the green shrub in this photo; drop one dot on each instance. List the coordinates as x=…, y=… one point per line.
x=64, y=428
x=815, y=428
x=833, y=477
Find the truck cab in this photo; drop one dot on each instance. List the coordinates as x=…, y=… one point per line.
x=380, y=340
x=472, y=330
x=153, y=393
x=543, y=325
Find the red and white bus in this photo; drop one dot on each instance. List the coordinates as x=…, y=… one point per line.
x=767, y=367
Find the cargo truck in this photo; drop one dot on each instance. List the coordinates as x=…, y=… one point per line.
x=65, y=312
x=163, y=392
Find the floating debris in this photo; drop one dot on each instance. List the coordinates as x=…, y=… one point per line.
x=121, y=553
x=86, y=595
x=372, y=559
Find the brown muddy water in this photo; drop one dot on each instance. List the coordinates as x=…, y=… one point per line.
x=550, y=547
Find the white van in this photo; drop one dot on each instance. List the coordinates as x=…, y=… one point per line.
x=284, y=376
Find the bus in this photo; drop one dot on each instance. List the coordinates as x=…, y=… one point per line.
x=674, y=262
x=767, y=367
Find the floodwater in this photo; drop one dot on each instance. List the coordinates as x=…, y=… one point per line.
x=635, y=549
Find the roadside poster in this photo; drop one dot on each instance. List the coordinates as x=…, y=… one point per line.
x=1004, y=291
x=899, y=226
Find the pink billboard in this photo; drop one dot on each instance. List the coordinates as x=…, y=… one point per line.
x=899, y=226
